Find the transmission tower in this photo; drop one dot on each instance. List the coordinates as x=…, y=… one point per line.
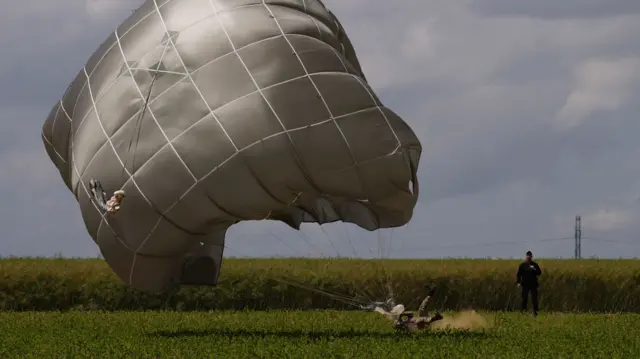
x=578, y=238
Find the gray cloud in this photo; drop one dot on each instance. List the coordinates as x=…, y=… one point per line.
x=527, y=112
x=550, y=9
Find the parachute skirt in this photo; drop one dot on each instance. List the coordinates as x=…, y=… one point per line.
x=211, y=112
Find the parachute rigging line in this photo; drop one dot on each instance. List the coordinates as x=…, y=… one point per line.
x=139, y=121
x=383, y=284
x=351, y=301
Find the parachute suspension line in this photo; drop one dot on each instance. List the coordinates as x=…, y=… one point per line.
x=355, y=253
x=390, y=241
x=342, y=298
x=330, y=241
x=339, y=297
x=306, y=239
x=363, y=294
x=351, y=301
x=138, y=124
x=346, y=234
x=283, y=242
x=387, y=281
x=380, y=284
x=140, y=120
x=388, y=274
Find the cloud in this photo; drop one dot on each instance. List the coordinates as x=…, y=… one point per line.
x=609, y=219
x=551, y=9
x=98, y=9
x=600, y=221
x=600, y=85
x=526, y=111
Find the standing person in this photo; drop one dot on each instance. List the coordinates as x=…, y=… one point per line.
x=527, y=279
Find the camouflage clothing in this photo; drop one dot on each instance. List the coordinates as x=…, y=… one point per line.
x=405, y=320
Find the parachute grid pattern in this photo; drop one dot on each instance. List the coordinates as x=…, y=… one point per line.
x=256, y=110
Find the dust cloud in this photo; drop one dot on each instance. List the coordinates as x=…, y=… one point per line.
x=468, y=319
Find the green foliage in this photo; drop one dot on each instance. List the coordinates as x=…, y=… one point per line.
x=89, y=284
x=310, y=334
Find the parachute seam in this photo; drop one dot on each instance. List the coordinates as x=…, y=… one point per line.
x=166, y=29
x=69, y=147
x=153, y=116
x=169, y=142
x=315, y=23
x=284, y=128
x=326, y=105
x=53, y=124
x=131, y=29
x=147, y=53
x=366, y=88
x=262, y=185
x=114, y=152
x=52, y=137
x=255, y=143
x=230, y=53
x=104, y=220
x=378, y=107
x=216, y=109
x=65, y=110
x=109, y=49
x=109, y=139
x=53, y=148
x=267, y=88
x=102, y=215
x=144, y=241
x=223, y=209
x=138, y=125
x=295, y=154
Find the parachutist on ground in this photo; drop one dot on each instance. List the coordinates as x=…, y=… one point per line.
x=406, y=321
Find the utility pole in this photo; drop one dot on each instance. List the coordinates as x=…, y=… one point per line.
x=578, y=238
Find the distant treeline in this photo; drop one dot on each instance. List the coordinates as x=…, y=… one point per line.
x=259, y=284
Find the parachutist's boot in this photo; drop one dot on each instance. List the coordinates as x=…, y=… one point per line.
x=431, y=288
x=391, y=303
x=435, y=317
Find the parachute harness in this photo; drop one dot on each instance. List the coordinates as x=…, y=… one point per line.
x=112, y=205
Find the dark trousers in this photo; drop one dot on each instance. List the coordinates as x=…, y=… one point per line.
x=533, y=289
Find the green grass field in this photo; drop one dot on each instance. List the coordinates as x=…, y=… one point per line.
x=312, y=334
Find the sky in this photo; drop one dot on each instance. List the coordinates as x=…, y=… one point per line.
x=527, y=112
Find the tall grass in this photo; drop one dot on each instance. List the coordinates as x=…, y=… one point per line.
x=89, y=284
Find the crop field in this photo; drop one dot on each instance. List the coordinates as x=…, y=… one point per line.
x=54, y=308
x=610, y=286
x=313, y=334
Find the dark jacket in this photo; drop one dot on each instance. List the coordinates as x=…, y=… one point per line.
x=528, y=273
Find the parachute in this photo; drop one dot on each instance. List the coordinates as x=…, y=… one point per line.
x=212, y=112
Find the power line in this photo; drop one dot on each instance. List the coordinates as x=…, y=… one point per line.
x=632, y=241
x=488, y=244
